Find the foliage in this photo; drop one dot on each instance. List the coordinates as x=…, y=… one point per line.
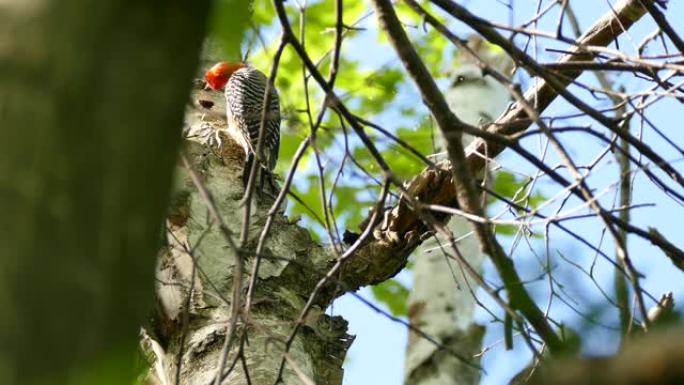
x=516, y=189
x=338, y=175
x=370, y=88
x=393, y=294
x=228, y=19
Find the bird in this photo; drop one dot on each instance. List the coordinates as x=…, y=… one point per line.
x=244, y=89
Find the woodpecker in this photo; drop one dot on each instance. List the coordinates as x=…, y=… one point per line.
x=245, y=87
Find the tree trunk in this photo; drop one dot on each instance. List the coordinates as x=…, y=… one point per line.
x=90, y=94
x=196, y=334
x=441, y=302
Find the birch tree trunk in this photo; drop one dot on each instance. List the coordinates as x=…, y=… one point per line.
x=198, y=335
x=92, y=91
x=441, y=301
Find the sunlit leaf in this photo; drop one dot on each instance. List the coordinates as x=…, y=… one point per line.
x=393, y=294
x=229, y=19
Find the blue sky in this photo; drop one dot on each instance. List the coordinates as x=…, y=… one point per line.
x=376, y=357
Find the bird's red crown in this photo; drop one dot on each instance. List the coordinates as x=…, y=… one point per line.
x=218, y=75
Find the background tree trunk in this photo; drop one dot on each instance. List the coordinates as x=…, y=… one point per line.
x=441, y=302
x=91, y=92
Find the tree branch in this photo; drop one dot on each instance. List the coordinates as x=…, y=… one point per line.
x=663, y=24
x=452, y=129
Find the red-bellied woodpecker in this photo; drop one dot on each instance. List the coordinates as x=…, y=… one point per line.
x=245, y=87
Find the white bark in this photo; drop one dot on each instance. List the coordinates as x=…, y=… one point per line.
x=284, y=280
x=441, y=303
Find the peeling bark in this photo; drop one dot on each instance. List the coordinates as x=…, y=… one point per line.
x=197, y=261
x=441, y=302
x=297, y=264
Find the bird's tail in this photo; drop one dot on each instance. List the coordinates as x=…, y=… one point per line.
x=266, y=183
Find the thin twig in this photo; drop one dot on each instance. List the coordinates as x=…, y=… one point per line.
x=452, y=129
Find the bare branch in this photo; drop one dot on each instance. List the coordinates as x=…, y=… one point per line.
x=452, y=129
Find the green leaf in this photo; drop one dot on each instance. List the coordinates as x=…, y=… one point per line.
x=506, y=184
x=511, y=186
x=393, y=294
x=506, y=229
x=229, y=20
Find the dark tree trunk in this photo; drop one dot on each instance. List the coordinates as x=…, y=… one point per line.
x=91, y=105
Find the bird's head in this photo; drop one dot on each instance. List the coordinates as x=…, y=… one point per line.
x=218, y=75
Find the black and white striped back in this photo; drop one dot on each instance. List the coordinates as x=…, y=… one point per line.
x=245, y=95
